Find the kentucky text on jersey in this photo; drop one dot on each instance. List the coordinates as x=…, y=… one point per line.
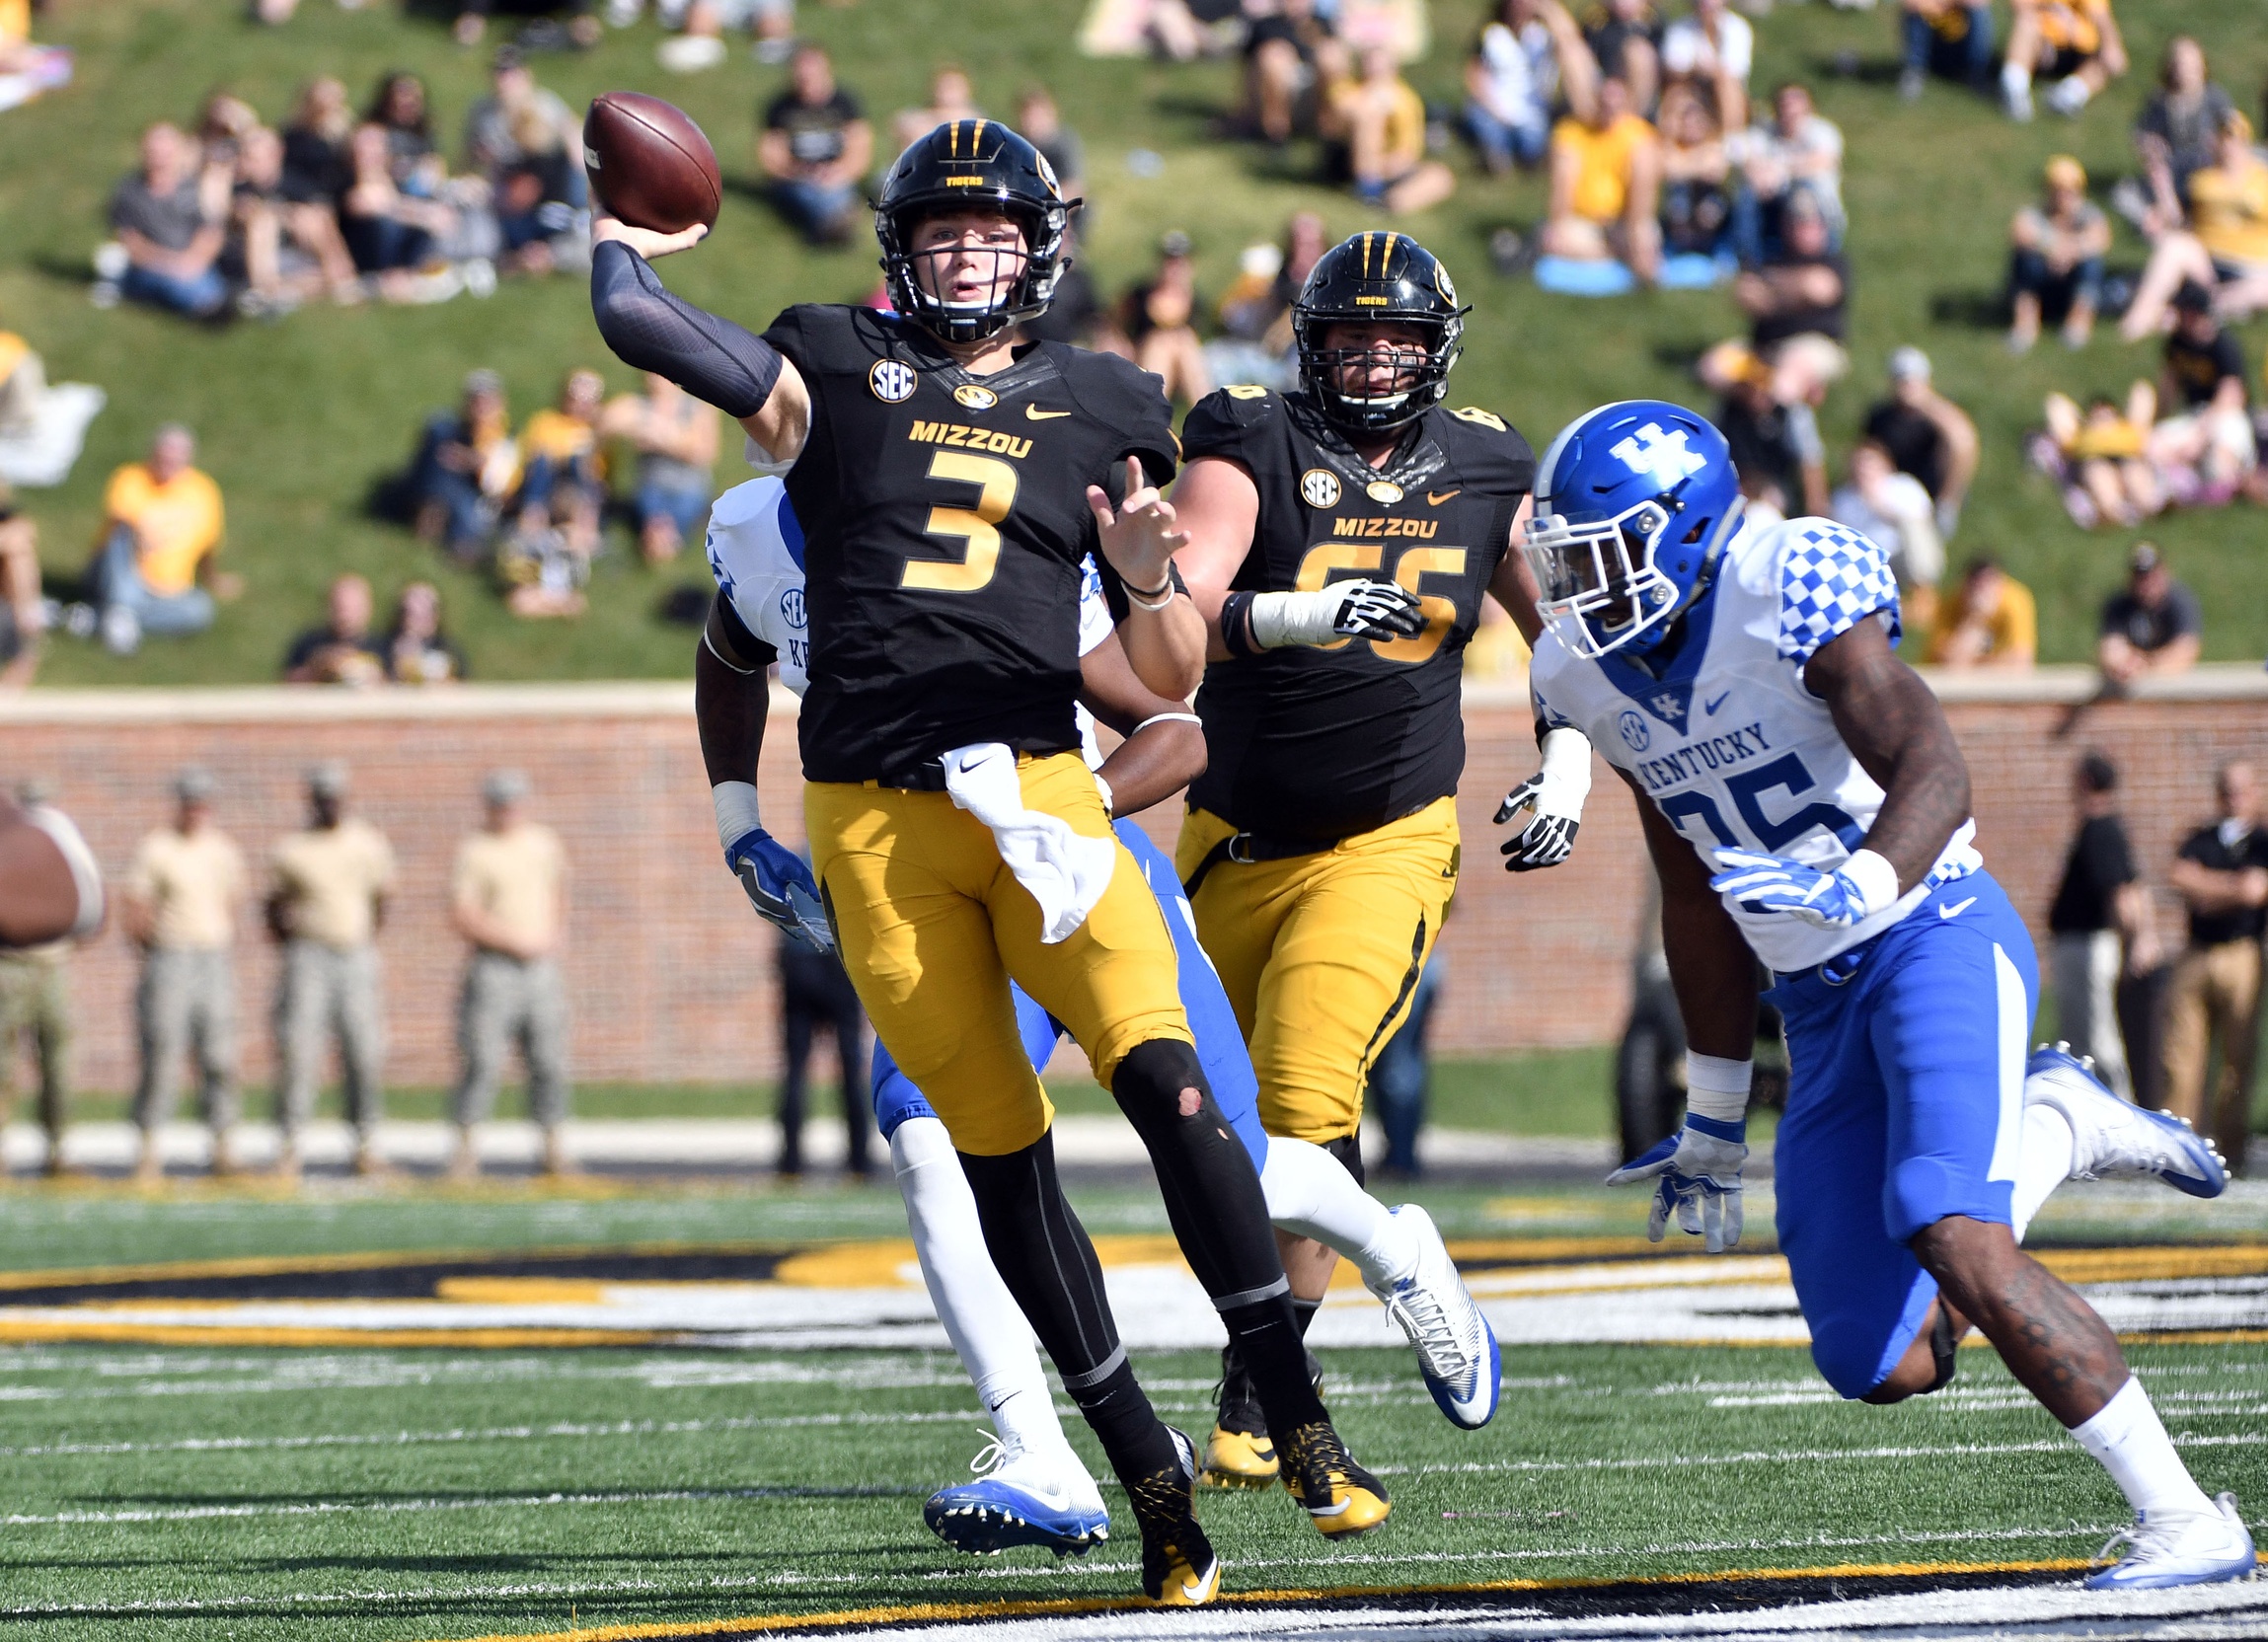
x=1718, y=752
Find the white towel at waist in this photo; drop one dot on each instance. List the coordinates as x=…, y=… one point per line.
x=1065, y=871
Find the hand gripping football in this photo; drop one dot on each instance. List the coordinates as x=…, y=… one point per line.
x=649, y=164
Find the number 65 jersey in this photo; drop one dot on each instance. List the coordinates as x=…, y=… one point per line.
x=945, y=519
x=1725, y=740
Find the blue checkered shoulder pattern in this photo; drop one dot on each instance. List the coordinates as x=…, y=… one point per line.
x=1830, y=580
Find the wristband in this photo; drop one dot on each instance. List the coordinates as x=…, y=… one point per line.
x=1717, y=1088
x=1236, y=637
x=1162, y=599
x=1109, y=799
x=1876, y=878
x=1167, y=718
x=737, y=816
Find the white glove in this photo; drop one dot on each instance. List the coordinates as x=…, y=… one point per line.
x=1343, y=610
x=1554, y=793
x=1698, y=1175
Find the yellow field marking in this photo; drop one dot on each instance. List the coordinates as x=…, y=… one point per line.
x=1060, y=1606
x=522, y=1291
x=289, y=1265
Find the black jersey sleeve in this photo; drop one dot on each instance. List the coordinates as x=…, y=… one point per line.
x=1223, y=424
x=652, y=330
x=1491, y=453
x=1133, y=402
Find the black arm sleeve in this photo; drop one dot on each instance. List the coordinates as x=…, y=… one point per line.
x=647, y=328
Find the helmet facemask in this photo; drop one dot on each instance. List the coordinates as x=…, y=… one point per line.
x=1414, y=388
x=1014, y=294
x=1600, y=582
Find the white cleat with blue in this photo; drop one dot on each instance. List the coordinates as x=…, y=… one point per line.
x=1020, y=1497
x=2115, y=1140
x=2202, y=1548
x=1456, y=1347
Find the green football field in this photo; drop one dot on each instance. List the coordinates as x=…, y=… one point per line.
x=166, y=1475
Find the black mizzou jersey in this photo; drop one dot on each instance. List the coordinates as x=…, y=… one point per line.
x=1320, y=744
x=945, y=517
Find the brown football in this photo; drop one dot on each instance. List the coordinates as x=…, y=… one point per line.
x=648, y=162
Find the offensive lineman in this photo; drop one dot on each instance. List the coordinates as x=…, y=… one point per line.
x=1037, y=1490
x=951, y=480
x=1803, y=800
x=1341, y=538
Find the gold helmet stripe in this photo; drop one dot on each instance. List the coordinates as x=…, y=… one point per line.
x=974, y=138
x=1386, y=255
x=1366, y=239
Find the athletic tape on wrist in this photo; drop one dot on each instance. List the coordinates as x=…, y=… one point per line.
x=1876, y=878
x=736, y=813
x=1717, y=1087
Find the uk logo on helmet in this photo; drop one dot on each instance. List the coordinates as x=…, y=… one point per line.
x=1665, y=456
x=893, y=381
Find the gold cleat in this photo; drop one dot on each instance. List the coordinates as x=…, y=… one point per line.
x=1238, y=1460
x=1341, y=1498
x=1178, y=1567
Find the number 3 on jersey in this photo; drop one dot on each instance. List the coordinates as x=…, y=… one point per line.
x=978, y=526
x=1409, y=570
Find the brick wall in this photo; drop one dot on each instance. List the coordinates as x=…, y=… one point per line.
x=670, y=975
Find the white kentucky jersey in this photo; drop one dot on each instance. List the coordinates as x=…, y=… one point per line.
x=756, y=554
x=1728, y=743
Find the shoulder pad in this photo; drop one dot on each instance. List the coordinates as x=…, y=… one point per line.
x=1218, y=424
x=1831, y=579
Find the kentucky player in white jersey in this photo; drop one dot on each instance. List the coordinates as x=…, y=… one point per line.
x=1036, y=1491
x=1805, y=801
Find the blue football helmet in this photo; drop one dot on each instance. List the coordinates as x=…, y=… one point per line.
x=1634, y=503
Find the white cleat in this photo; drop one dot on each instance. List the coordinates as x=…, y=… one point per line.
x=1456, y=1347
x=2201, y=1549
x=1020, y=1497
x=2114, y=1140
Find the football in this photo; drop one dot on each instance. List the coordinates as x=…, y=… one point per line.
x=649, y=164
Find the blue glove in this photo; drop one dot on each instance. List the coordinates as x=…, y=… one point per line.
x=1697, y=1175
x=781, y=888
x=1774, y=884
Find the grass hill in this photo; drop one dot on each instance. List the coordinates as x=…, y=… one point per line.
x=299, y=419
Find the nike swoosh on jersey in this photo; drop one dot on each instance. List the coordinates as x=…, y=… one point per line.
x=1034, y=414
x=1957, y=908
x=1434, y=499
x=1711, y=706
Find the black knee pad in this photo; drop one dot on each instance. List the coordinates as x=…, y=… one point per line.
x=1151, y=1082
x=1944, y=1350
x=1347, y=1148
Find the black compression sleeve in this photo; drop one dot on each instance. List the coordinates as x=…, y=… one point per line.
x=711, y=358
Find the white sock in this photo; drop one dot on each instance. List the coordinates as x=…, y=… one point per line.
x=2044, y=1158
x=980, y=1315
x=2127, y=1436
x=2070, y=95
x=2015, y=79
x=1310, y=1193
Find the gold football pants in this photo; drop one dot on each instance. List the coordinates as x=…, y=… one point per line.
x=1320, y=955
x=933, y=926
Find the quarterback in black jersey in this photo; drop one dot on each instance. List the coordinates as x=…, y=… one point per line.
x=948, y=477
x=1341, y=538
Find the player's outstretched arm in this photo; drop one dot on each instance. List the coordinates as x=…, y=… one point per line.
x=1165, y=746
x=712, y=358
x=731, y=697
x=1892, y=723
x=1220, y=509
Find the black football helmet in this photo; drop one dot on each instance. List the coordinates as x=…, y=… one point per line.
x=964, y=164
x=1366, y=278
